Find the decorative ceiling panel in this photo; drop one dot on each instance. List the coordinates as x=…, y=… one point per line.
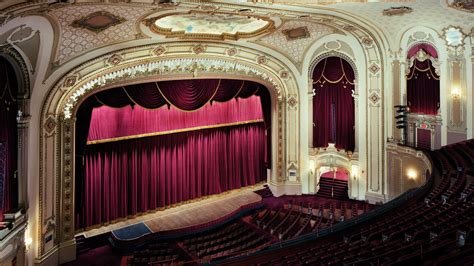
x=294, y=37
x=84, y=27
x=210, y=25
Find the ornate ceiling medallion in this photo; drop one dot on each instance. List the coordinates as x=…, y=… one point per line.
x=296, y=33
x=397, y=11
x=210, y=25
x=98, y=21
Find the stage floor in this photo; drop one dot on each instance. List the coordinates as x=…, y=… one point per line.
x=183, y=216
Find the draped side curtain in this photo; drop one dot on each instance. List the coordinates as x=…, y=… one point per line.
x=423, y=88
x=8, y=139
x=126, y=177
x=333, y=105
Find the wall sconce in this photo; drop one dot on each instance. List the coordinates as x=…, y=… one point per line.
x=354, y=171
x=456, y=92
x=312, y=166
x=411, y=173
x=28, y=242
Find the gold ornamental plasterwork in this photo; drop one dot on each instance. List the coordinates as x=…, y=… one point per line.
x=160, y=67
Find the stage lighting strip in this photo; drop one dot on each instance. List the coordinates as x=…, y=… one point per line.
x=145, y=135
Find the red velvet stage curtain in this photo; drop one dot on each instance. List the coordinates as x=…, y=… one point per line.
x=239, y=150
x=333, y=105
x=109, y=123
x=423, y=88
x=8, y=139
x=128, y=177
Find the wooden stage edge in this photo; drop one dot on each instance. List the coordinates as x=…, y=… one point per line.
x=201, y=211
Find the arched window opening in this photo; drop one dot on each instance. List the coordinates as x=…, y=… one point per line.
x=8, y=137
x=147, y=146
x=333, y=104
x=423, y=80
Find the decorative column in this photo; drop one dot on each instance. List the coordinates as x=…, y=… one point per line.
x=396, y=96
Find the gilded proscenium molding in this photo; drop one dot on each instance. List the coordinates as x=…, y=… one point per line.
x=163, y=67
x=170, y=33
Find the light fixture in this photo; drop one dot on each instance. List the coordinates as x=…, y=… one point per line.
x=411, y=173
x=456, y=92
x=312, y=166
x=28, y=242
x=354, y=171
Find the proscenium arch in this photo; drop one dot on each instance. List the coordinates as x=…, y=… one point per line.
x=56, y=124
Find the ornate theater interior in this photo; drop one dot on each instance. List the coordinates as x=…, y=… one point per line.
x=268, y=132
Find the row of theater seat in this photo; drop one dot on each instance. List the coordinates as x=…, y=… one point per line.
x=436, y=228
x=293, y=220
x=246, y=235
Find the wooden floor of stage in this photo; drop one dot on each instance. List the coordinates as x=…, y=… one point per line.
x=196, y=213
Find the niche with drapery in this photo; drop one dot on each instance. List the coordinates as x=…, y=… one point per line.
x=146, y=146
x=8, y=138
x=333, y=104
x=423, y=80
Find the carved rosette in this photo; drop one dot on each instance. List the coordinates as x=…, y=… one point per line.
x=367, y=42
x=50, y=125
x=374, y=68
x=198, y=49
x=70, y=81
x=115, y=59
x=374, y=98
x=292, y=102
x=231, y=52
x=159, y=50
x=262, y=60
x=284, y=74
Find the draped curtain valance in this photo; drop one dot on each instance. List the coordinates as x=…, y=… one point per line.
x=185, y=95
x=333, y=70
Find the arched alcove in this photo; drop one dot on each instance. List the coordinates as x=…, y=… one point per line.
x=333, y=104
